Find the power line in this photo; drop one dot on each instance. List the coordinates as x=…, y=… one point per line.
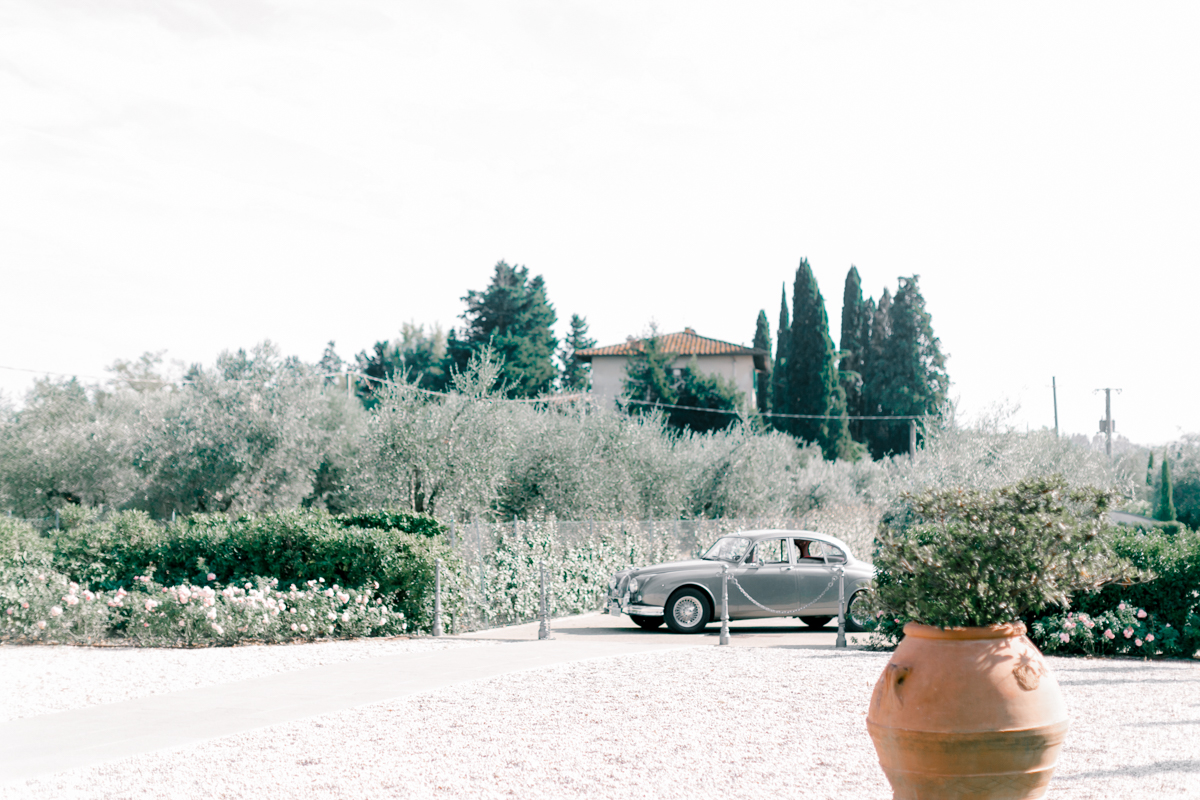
x=776, y=414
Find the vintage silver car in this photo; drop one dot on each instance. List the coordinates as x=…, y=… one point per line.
x=772, y=573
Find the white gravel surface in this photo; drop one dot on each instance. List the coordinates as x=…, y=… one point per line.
x=735, y=722
x=39, y=680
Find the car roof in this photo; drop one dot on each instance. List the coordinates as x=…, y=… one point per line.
x=770, y=534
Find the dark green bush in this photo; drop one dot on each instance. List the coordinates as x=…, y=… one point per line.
x=394, y=519
x=292, y=546
x=1174, y=561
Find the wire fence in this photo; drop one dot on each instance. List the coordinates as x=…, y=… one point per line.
x=495, y=579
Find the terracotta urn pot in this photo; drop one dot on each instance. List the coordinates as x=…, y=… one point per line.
x=967, y=713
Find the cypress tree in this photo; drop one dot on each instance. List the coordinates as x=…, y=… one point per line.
x=910, y=378
x=779, y=392
x=1149, y=468
x=812, y=375
x=875, y=374
x=762, y=341
x=853, y=346
x=1165, y=512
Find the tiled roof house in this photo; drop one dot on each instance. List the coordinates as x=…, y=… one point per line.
x=713, y=356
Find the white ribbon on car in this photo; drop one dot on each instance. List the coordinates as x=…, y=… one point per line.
x=788, y=612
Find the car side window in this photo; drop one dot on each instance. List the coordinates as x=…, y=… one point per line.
x=826, y=552
x=770, y=551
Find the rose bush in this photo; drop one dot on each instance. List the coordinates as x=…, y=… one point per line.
x=1125, y=630
x=47, y=607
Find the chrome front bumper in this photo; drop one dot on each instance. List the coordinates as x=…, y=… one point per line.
x=636, y=609
x=621, y=605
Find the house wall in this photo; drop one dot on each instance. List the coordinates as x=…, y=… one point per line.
x=608, y=374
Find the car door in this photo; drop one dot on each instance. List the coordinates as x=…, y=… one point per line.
x=814, y=573
x=767, y=575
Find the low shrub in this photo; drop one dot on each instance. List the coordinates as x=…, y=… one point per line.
x=1125, y=630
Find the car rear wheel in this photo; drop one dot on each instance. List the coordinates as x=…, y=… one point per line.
x=857, y=620
x=646, y=623
x=688, y=611
x=816, y=622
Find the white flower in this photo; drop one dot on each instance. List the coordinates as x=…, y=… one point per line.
x=303, y=628
x=346, y=617
x=55, y=611
x=332, y=615
x=295, y=627
x=220, y=631
x=41, y=625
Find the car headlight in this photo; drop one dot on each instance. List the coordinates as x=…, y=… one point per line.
x=633, y=585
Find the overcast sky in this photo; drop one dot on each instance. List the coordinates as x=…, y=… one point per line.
x=197, y=176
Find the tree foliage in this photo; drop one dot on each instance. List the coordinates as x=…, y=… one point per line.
x=652, y=381
x=906, y=372
x=1165, y=510
x=762, y=341
x=576, y=375
x=811, y=371
x=514, y=317
x=856, y=331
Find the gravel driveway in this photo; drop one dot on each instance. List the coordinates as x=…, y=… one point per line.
x=707, y=721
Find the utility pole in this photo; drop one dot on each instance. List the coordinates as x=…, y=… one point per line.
x=1054, y=388
x=1107, y=425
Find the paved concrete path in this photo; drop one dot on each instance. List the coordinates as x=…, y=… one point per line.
x=65, y=740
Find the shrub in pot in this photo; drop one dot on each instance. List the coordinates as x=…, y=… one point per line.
x=967, y=707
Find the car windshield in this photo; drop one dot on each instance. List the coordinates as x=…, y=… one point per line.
x=727, y=548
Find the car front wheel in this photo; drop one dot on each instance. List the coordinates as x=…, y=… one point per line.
x=688, y=611
x=857, y=620
x=646, y=623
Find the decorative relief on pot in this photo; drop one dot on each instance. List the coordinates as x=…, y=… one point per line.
x=896, y=675
x=1029, y=672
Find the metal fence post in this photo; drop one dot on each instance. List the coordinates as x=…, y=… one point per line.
x=544, y=628
x=724, y=604
x=841, y=636
x=437, y=597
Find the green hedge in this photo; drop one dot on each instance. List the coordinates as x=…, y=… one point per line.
x=292, y=546
x=1172, y=595
x=394, y=519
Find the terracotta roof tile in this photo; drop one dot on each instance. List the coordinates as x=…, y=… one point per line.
x=684, y=343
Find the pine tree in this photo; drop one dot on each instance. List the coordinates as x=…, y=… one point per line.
x=812, y=375
x=576, y=375
x=515, y=317
x=855, y=323
x=762, y=341
x=1165, y=512
x=779, y=392
x=908, y=371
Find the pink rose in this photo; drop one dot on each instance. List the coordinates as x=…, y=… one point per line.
x=41, y=625
x=1149, y=637
x=1128, y=632
x=55, y=611
x=1138, y=642
x=1065, y=637
x=1141, y=613
x=1108, y=634
x=1087, y=623
x=1120, y=606
x=212, y=576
